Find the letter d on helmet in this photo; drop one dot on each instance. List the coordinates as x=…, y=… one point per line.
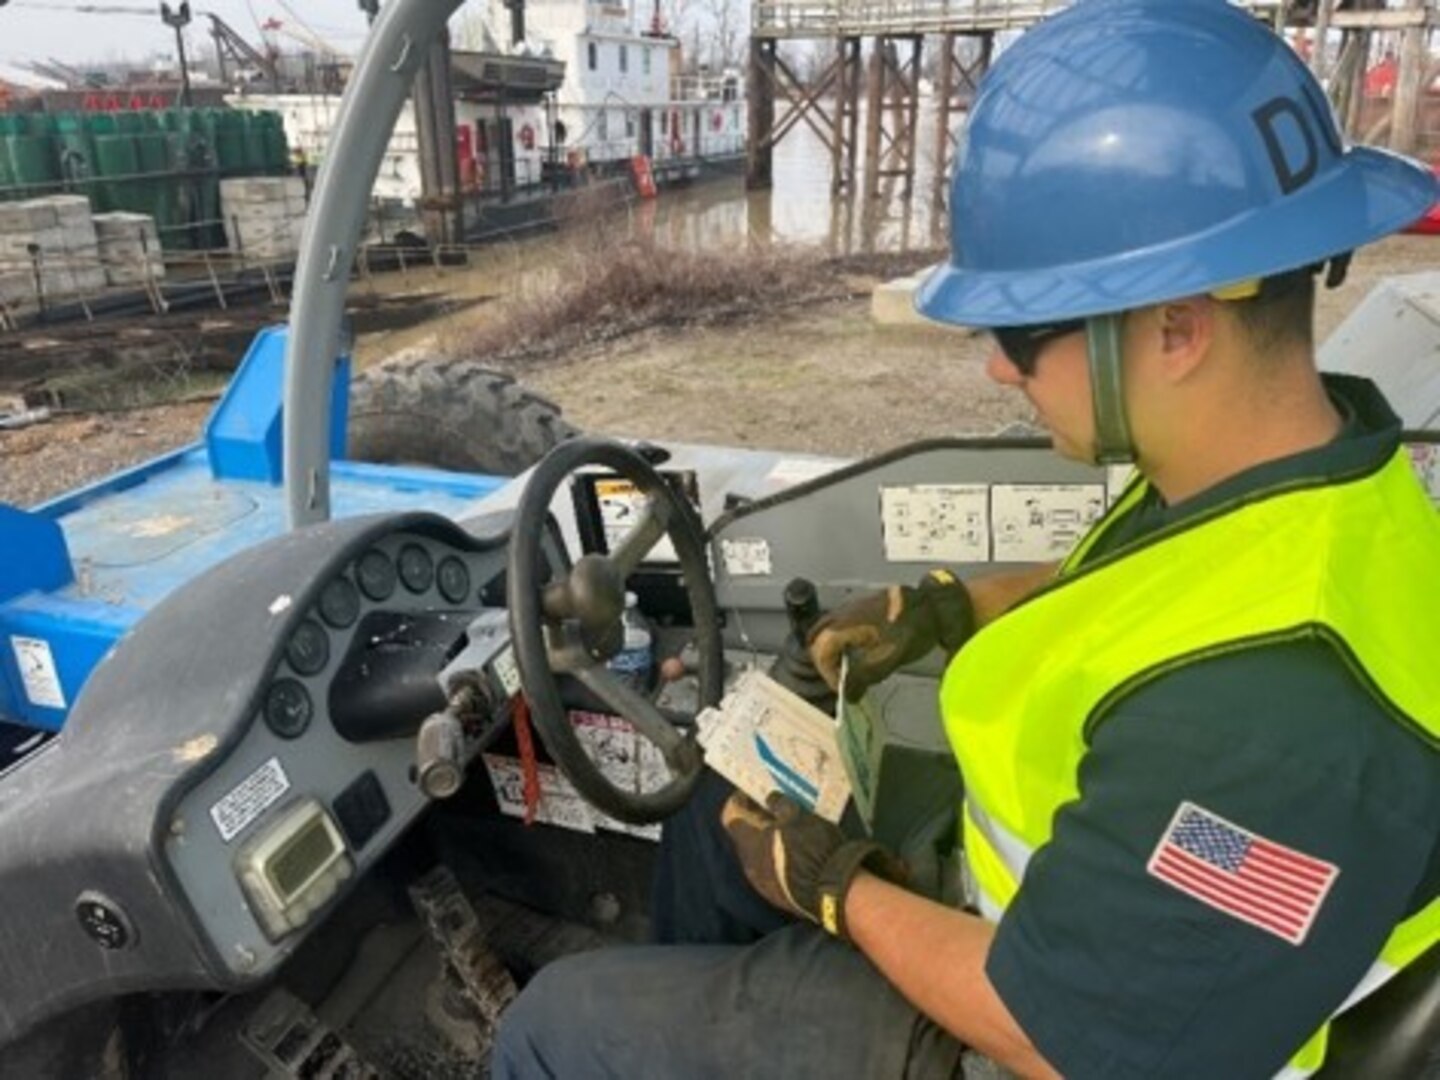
x=1128, y=152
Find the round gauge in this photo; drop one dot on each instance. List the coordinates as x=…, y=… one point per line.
x=417, y=569
x=288, y=708
x=376, y=574
x=340, y=603
x=309, y=650
x=454, y=579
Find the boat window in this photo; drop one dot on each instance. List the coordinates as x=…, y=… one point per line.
x=624, y=59
x=591, y=53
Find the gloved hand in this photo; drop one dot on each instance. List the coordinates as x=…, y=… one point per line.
x=800, y=862
x=883, y=631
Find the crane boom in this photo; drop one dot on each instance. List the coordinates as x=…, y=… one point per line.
x=229, y=42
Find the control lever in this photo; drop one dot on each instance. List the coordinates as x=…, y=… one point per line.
x=440, y=745
x=793, y=668
x=440, y=755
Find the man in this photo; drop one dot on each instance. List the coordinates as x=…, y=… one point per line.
x=1202, y=755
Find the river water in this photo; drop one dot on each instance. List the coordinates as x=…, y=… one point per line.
x=801, y=209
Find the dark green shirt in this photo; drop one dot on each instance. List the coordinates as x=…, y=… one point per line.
x=1115, y=973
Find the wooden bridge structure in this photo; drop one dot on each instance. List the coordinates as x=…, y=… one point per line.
x=965, y=31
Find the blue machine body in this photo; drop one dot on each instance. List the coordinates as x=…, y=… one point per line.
x=76, y=573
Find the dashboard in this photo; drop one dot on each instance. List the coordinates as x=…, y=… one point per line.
x=324, y=776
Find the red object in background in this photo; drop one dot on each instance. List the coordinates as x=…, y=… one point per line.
x=527, y=137
x=114, y=103
x=1380, y=80
x=465, y=152
x=644, y=177
x=1430, y=223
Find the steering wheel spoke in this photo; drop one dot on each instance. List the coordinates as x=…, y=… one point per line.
x=566, y=628
x=649, y=528
x=634, y=706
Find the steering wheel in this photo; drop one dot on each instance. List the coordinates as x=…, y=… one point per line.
x=573, y=626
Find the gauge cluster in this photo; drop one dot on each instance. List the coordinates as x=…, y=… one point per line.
x=324, y=777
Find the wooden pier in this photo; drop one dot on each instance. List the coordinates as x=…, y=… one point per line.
x=879, y=47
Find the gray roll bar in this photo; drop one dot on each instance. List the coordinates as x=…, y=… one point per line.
x=378, y=88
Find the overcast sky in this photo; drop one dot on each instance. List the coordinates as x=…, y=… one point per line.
x=39, y=29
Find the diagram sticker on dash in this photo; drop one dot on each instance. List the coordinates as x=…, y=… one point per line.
x=1039, y=522
x=747, y=556
x=621, y=505
x=933, y=523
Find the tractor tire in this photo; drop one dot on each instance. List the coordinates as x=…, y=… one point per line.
x=451, y=414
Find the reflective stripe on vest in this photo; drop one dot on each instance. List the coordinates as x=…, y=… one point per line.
x=1355, y=562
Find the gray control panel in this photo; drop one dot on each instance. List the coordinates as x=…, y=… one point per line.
x=298, y=810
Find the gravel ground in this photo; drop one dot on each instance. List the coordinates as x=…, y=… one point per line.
x=822, y=379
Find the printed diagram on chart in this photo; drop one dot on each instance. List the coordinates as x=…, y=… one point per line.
x=1036, y=522
x=1426, y=459
x=935, y=523
x=763, y=739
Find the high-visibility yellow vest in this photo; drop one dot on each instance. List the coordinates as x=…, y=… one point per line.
x=1355, y=561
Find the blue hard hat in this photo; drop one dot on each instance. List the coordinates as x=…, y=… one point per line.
x=1128, y=152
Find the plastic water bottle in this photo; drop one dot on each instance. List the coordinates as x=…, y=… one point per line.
x=635, y=662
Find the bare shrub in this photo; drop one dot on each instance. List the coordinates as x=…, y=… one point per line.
x=611, y=287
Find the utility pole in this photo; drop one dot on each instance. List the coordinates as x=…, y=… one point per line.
x=178, y=20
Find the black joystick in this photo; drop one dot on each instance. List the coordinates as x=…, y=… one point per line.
x=793, y=668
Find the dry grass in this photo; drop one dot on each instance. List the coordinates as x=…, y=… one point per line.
x=639, y=285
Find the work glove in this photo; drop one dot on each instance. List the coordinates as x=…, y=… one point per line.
x=800, y=862
x=881, y=632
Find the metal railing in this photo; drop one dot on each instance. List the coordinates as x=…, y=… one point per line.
x=810, y=18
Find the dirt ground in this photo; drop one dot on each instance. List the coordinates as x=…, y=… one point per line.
x=821, y=378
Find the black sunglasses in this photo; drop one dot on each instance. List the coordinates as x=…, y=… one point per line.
x=1022, y=344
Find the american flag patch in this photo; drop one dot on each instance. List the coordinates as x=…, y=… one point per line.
x=1266, y=884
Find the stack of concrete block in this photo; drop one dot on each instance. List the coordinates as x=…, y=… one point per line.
x=129, y=248
x=55, y=234
x=264, y=215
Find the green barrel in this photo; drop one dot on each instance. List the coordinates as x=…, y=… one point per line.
x=34, y=160
x=156, y=193
x=255, y=152
x=39, y=124
x=7, y=175
x=230, y=142
x=117, y=160
x=277, y=147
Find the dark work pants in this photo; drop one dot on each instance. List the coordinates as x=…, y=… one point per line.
x=735, y=990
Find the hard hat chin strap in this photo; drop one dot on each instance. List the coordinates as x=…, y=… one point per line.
x=1107, y=390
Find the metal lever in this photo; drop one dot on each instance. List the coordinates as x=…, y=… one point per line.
x=440, y=755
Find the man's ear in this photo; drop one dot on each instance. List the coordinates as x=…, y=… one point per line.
x=1187, y=331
